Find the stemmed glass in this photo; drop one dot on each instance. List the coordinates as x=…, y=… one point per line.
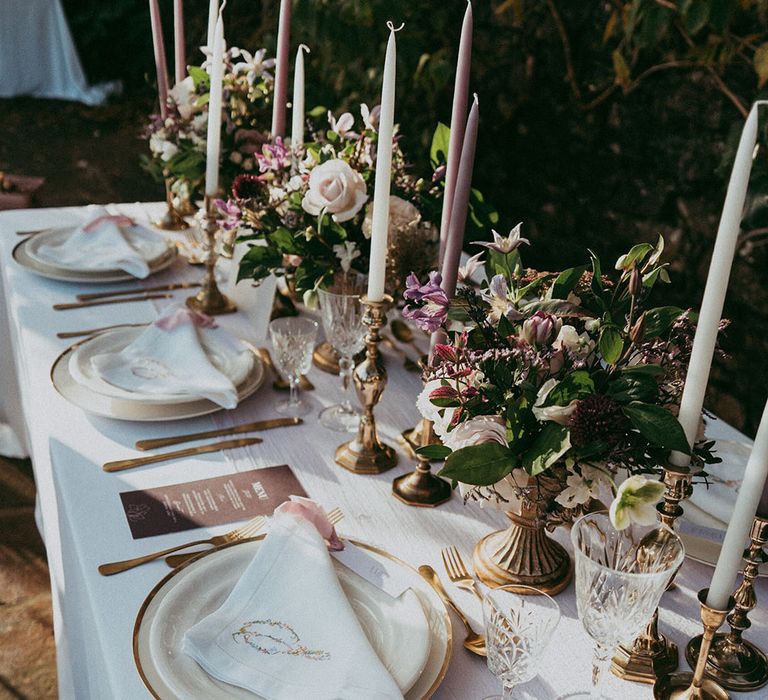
x=293, y=340
x=620, y=577
x=518, y=629
x=342, y=315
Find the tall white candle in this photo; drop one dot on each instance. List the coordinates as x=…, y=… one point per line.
x=180, y=60
x=160, y=64
x=736, y=537
x=214, y=111
x=213, y=13
x=380, y=215
x=280, y=94
x=458, y=123
x=297, y=111
x=717, y=284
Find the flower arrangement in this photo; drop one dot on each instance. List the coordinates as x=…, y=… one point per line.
x=310, y=208
x=572, y=377
x=178, y=144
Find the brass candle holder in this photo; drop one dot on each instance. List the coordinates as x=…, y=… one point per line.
x=209, y=300
x=172, y=220
x=734, y=662
x=366, y=454
x=421, y=487
x=413, y=438
x=696, y=686
x=652, y=655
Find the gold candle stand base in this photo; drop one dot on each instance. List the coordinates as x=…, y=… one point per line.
x=421, y=487
x=171, y=220
x=412, y=439
x=209, y=300
x=366, y=454
x=694, y=686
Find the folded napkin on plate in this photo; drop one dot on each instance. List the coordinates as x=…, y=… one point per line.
x=102, y=243
x=287, y=630
x=183, y=353
x=712, y=507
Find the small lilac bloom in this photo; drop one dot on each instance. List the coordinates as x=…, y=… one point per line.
x=273, y=156
x=342, y=127
x=507, y=244
x=429, y=302
x=541, y=328
x=473, y=265
x=230, y=214
x=497, y=296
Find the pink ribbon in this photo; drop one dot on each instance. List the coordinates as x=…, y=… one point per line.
x=185, y=315
x=118, y=219
x=310, y=511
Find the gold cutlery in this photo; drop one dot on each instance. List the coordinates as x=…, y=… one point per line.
x=457, y=571
x=94, y=331
x=34, y=232
x=408, y=362
x=125, y=292
x=473, y=642
x=335, y=516
x=242, y=428
x=404, y=334
x=281, y=383
x=243, y=532
x=100, y=302
x=122, y=464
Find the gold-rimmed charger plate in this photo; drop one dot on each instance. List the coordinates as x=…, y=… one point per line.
x=54, y=272
x=434, y=610
x=138, y=409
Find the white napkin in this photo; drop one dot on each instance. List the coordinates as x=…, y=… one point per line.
x=181, y=353
x=287, y=630
x=712, y=507
x=106, y=242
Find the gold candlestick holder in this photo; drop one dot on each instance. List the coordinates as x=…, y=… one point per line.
x=366, y=454
x=209, y=300
x=696, y=686
x=421, y=487
x=734, y=662
x=172, y=220
x=413, y=438
x=652, y=655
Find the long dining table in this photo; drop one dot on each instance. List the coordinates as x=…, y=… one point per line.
x=83, y=523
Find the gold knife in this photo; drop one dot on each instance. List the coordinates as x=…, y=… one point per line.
x=94, y=331
x=242, y=428
x=281, y=383
x=125, y=292
x=100, y=302
x=121, y=464
x=34, y=232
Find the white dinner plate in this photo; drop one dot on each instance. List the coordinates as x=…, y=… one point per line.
x=115, y=340
x=140, y=409
x=21, y=254
x=707, y=552
x=417, y=662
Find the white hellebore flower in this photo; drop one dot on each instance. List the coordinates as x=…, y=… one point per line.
x=558, y=414
x=581, y=487
x=497, y=296
x=476, y=431
x=370, y=116
x=343, y=125
x=401, y=215
x=346, y=252
x=580, y=345
x=184, y=97
x=505, y=244
x=253, y=65
x=635, y=502
x=432, y=412
x=336, y=188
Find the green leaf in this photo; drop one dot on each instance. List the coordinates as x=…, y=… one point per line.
x=317, y=111
x=438, y=151
x=634, y=387
x=644, y=370
x=480, y=465
x=659, y=273
x=761, y=64
x=657, y=425
x=611, y=344
x=658, y=321
x=576, y=385
x=695, y=14
x=620, y=68
x=565, y=282
x=634, y=256
x=558, y=307
x=550, y=445
x=199, y=76
x=597, y=274
x=434, y=451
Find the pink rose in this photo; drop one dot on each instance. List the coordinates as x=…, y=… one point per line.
x=336, y=188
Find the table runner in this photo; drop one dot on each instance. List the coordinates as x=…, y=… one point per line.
x=83, y=523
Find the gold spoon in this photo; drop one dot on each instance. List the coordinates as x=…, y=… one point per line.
x=404, y=333
x=472, y=642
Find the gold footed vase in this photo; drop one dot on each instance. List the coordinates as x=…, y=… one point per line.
x=171, y=220
x=523, y=555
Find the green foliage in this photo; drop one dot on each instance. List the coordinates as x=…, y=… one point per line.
x=481, y=465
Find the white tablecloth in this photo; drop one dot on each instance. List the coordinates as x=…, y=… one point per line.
x=84, y=525
x=39, y=58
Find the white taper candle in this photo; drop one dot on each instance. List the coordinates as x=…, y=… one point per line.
x=297, y=111
x=214, y=110
x=213, y=13
x=280, y=94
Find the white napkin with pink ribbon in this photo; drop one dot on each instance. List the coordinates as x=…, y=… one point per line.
x=106, y=242
x=183, y=353
x=287, y=631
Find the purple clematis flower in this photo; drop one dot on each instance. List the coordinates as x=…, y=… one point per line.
x=231, y=216
x=506, y=244
x=274, y=156
x=497, y=297
x=428, y=307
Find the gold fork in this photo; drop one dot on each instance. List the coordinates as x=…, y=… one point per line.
x=335, y=516
x=457, y=571
x=244, y=531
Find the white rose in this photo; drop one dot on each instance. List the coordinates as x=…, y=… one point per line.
x=569, y=339
x=432, y=412
x=401, y=214
x=183, y=95
x=335, y=188
x=169, y=151
x=558, y=414
x=476, y=431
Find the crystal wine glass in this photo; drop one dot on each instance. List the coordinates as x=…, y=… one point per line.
x=293, y=340
x=620, y=577
x=517, y=628
x=342, y=315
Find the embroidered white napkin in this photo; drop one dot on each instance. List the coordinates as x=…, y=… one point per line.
x=183, y=353
x=106, y=242
x=287, y=630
